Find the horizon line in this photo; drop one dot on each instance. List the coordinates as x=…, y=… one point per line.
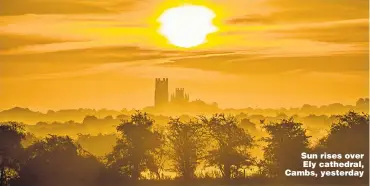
x=44, y=111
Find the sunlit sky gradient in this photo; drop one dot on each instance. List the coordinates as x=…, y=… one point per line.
x=57, y=54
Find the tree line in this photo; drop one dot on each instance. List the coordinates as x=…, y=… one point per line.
x=143, y=152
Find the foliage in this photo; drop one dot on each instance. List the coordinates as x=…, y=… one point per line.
x=286, y=141
x=230, y=152
x=351, y=128
x=11, y=136
x=57, y=160
x=220, y=141
x=135, y=150
x=349, y=135
x=187, y=142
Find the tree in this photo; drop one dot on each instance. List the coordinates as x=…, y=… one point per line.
x=135, y=150
x=186, y=142
x=349, y=135
x=286, y=141
x=363, y=103
x=11, y=136
x=58, y=161
x=231, y=144
x=29, y=139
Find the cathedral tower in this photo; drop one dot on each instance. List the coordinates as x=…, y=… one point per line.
x=179, y=96
x=161, y=92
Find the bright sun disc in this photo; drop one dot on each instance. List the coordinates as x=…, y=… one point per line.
x=187, y=26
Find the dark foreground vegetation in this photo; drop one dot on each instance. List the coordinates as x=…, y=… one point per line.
x=201, y=151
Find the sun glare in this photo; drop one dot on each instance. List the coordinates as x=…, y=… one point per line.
x=187, y=26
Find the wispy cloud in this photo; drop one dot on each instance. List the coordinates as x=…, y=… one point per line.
x=318, y=10
x=15, y=41
x=21, y=7
x=85, y=45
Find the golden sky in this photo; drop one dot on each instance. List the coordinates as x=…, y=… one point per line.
x=57, y=54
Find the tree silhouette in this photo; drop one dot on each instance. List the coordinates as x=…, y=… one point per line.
x=29, y=139
x=187, y=143
x=349, y=135
x=135, y=150
x=363, y=103
x=11, y=136
x=286, y=141
x=58, y=161
x=231, y=144
x=141, y=148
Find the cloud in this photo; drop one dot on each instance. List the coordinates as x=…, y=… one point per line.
x=145, y=68
x=70, y=60
x=292, y=42
x=341, y=32
x=293, y=11
x=14, y=41
x=318, y=10
x=85, y=61
x=353, y=32
x=95, y=54
x=20, y=7
x=251, y=19
x=259, y=65
x=272, y=58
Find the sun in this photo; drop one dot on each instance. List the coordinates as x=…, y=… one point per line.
x=187, y=26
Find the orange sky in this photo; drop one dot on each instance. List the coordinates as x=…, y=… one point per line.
x=105, y=54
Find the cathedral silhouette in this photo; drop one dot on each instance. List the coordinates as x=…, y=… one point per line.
x=161, y=94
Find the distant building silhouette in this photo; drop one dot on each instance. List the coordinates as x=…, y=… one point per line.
x=179, y=97
x=161, y=92
x=179, y=101
x=161, y=98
